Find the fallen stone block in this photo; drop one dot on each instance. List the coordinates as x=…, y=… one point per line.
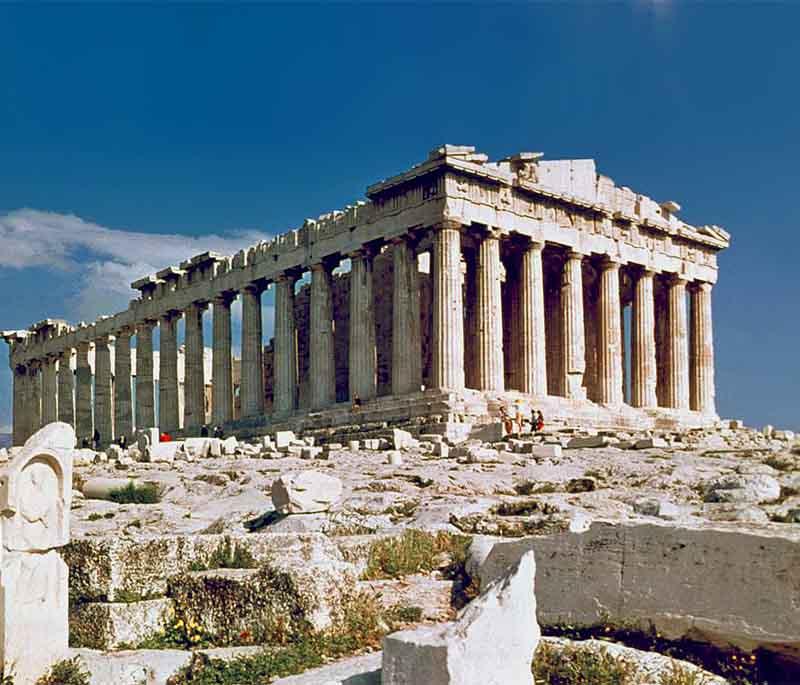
x=167, y=452
x=305, y=492
x=56, y=435
x=542, y=451
x=284, y=438
x=356, y=670
x=723, y=583
x=83, y=457
x=229, y=445
x=310, y=452
x=491, y=432
x=101, y=488
x=353, y=445
x=735, y=488
x=401, y=440
x=584, y=484
x=441, y=449
x=394, y=458
x=492, y=640
x=649, y=443
x=588, y=441
x=102, y=625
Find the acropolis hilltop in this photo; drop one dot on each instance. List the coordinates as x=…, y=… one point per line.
x=472, y=284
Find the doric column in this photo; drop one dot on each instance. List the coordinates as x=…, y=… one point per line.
x=103, y=404
x=83, y=394
x=66, y=388
x=222, y=378
x=532, y=341
x=19, y=380
x=643, y=343
x=406, y=338
x=322, y=366
x=362, y=365
x=701, y=353
x=491, y=375
x=572, y=327
x=194, y=404
x=285, y=361
x=677, y=346
x=169, y=419
x=123, y=407
x=609, y=353
x=252, y=383
x=49, y=391
x=448, y=310
x=145, y=395
x=35, y=396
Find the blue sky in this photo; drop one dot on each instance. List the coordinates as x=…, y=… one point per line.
x=132, y=136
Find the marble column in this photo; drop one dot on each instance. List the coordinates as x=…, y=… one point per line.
x=448, y=310
x=643, y=343
x=169, y=419
x=222, y=366
x=66, y=388
x=35, y=397
x=362, y=361
x=701, y=352
x=532, y=377
x=406, y=336
x=470, y=306
x=252, y=383
x=491, y=374
x=285, y=361
x=123, y=407
x=322, y=366
x=49, y=391
x=84, y=426
x=19, y=378
x=677, y=346
x=145, y=394
x=194, y=405
x=572, y=327
x=103, y=402
x=609, y=353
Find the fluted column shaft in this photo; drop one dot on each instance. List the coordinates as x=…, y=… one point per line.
x=103, y=404
x=222, y=367
x=169, y=419
x=701, y=353
x=572, y=326
x=83, y=394
x=285, y=365
x=123, y=408
x=643, y=343
x=532, y=341
x=252, y=384
x=194, y=406
x=677, y=346
x=49, y=391
x=491, y=374
x=448, y=309
x=66, y=388
x=19, y=376
x=322, y=366
x=406, y=339
x=609, y=353
x=35, y=378
x=145, y=394
x=362, y=365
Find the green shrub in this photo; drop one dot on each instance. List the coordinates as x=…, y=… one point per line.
x=136, y=494
x=67, y=672
x=226, y=555
x=576, y=666
x=415, y=551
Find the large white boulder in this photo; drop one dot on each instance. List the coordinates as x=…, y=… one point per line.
x=165, y=452
x=737, y=488
x=490, y=643
x=56, y=435
x=305, y=492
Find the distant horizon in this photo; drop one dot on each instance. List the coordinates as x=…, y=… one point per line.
x=237, y=122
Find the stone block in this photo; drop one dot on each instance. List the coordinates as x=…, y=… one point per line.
x=83, y=457
x=649, y=443
x=588, y=441
x=394, y=458
x=353, y=446
x=372, y=444
x=167, y=452
x=490, y=432
x=441, y=449
x=101, y=488
x=229, y=445
x=401, y=440
x=723, y=583
x=56, y=435
x=310, y=452
x=492, y=640
x=735, y=424
x=102, y=625
x=283, y=438
x=305, y=492
x=543, y=451
x=577, y=485
x=334, y=447
x=736, y=488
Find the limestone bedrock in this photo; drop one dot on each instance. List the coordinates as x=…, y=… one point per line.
x=490, y=643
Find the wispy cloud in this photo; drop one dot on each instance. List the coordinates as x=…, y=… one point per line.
x=107, y=260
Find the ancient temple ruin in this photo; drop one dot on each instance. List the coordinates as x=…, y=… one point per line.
x=472, y=285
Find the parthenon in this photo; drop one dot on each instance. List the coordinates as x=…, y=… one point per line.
x=471, y=284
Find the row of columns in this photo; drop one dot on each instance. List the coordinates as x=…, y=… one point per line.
x=687, y=342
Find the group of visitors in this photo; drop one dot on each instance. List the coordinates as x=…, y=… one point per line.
x=514, y=421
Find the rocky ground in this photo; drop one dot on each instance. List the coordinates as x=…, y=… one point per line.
x=308, y=515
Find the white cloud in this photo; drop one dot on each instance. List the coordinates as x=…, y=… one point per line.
x=106, y=260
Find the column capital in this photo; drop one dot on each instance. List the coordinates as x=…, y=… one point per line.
x=200, y=305
x=325, y=266
x=573, y=254
x=146, y=324
x=223, y=299
x=611, y=263
x=448, y=224
x=254, y=287
x=677, y=279
x=170, y=315
x=290, y=275
x=701, y=286
x=363, y=252
x=124, y=332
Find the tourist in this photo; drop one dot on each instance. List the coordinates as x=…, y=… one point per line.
x=122, y=442
x=204, y=431
x=356, y=402
x=218, y=432
x=508, y=421
x=165, y=437
x=539, y=421
x=96, y=440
